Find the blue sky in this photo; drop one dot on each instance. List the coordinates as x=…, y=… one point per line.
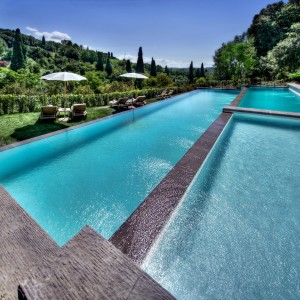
x=173, y=32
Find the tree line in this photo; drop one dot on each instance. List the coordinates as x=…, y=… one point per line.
x=269, y=50
x=24, y=56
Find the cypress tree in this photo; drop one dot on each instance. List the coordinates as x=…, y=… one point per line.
x=202, y=72
x=153, y=68
x=99, y=65
x=43, y=42
x=18, y=59
x=140, y=62
x=167, y=71
x=108, y=67
x=191, y=73
x=198, y=73
x=128, y=66
x=111, y=55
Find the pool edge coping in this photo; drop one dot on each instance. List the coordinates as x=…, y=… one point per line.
x=135, y=236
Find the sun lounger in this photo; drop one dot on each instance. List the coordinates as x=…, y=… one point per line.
x=78, y=110
x=124, y=103
x=115, y=103
x=169, y=93
x=139, y=101
x=162, y=95
x=48, y=112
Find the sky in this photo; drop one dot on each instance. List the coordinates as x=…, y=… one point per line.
x=173, y=32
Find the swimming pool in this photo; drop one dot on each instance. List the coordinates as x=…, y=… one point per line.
x=281, y=99
x=98, y=174
x=235, y=234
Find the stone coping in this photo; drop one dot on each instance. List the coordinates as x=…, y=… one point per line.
x=233, y=109
x=33, y=266
x=138, y=233
x=294, y=87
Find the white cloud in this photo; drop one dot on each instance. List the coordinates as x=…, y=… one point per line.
x=31, y=29
x=55, y=36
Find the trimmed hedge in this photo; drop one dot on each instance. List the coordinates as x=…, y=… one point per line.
x=21, y=103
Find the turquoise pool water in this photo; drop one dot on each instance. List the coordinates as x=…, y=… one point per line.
x=268, y=98
x=235, y=235
x=99, y=174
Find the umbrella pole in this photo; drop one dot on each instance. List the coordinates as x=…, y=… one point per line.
x=65, y=99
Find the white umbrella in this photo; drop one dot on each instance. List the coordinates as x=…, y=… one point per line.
x=64, y=76
x=134, y=75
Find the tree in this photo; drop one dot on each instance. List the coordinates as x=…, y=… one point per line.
x=202, y=72
x=297, y=2
x=286, y=54
x=128, y=66
x=191, y=73
x=43, y=42
x=235, y=60
x=163, y=80
x=72, y=53
x=3, y=46
x=18, y=60
x=197, y=73
x=140, y=62
x=99, y=65
x=153, y=68
x=108, y=67
x=167, y=71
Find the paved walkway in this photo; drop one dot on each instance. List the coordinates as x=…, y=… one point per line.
x=87, y=267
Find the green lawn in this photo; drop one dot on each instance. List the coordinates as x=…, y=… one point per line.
x=22, y=126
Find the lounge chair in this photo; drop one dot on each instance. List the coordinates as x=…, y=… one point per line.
x=169, y=93
x=124, y=103
x=115, y=103
x=78, y=110
x=139, y=101
x=162, y=95
x=48, y=112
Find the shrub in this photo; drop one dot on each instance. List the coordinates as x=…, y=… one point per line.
x=295, y=76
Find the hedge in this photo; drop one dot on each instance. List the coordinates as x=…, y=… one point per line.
x=21, y=103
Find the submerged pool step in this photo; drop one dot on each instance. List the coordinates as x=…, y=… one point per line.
x=233, y=109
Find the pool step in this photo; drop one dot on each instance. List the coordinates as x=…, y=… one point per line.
x=233, y=109
x=102, y=271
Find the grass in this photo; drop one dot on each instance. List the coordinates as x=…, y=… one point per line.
x=22, y=126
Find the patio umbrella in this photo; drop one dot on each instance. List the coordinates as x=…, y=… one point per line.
x=64, y=76
x=134, y=75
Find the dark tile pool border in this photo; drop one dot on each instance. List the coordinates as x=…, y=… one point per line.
x=137, y=234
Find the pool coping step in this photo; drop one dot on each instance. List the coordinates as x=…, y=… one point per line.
x=33, y=266
x=101, y=269
x=233, y=109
